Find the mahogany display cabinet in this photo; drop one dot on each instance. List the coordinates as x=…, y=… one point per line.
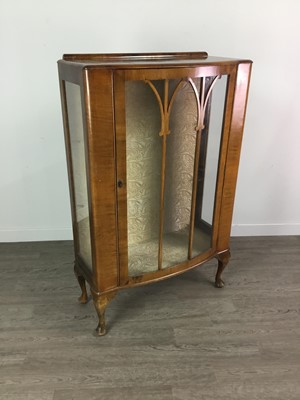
x=153, y=145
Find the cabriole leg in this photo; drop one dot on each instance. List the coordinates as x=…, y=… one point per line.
x=101, y=301
x=223, y=260
x=84, y=297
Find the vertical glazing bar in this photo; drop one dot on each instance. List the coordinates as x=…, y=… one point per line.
x=163, y=169
x=196, y=167
x=194, y=192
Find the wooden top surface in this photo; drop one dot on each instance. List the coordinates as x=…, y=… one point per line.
x=146, y=60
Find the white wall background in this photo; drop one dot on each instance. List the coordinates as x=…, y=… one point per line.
x=34, y=200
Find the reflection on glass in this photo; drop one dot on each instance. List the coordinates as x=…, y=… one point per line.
x=73, y=97
x=170, y=208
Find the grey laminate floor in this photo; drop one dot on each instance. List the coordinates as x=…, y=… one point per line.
x=178, y=339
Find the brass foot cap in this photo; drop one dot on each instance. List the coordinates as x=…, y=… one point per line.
x=219, y=283
x=100, y=332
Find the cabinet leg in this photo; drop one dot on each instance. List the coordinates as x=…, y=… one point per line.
x=223, y=260
x=84, y=297
x=101, y=301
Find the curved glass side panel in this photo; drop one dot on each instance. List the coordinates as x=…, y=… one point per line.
x=74, y=108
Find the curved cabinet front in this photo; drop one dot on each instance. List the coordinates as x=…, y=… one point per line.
x=173, y=131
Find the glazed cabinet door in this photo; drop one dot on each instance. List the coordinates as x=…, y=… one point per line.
x=170, y=148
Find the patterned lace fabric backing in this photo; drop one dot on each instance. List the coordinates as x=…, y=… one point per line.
x=143, y=256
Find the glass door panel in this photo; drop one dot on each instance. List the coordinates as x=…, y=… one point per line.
x=172, y=161
x=213, y=147
x=210, y=142
x=73, y=97
x=143, y=164
x=180, y=158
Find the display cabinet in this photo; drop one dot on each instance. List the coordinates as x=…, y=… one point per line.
x=153, y=144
